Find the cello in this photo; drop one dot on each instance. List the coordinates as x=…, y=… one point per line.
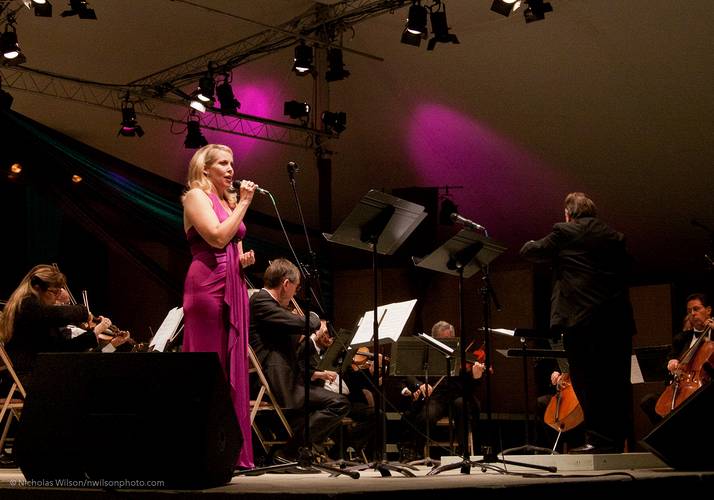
x=693, y=371
x=564, y=411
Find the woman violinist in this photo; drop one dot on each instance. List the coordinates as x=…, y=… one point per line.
x=33, y=322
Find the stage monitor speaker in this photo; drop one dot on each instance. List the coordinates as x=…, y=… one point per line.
x=128, y=420
x=683, y=440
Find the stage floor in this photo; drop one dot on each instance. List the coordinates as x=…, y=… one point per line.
x=634, y=476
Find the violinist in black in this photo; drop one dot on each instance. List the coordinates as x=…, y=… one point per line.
x=32, y=322
x=274, y=336
x=430, y=403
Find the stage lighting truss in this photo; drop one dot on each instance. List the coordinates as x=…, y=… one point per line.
x=5, y=98
x=194, y=137
x=334, y=122
x=129, y=125
x=302, y=61
x=440, y=26
x=79, y=8
x=224, y=92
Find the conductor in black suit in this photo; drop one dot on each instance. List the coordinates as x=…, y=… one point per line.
x=591, y=307
x=274, y=336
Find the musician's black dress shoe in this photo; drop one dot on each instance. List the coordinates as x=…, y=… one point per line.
x=591, y=449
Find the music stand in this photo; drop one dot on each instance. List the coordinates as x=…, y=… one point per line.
x=523, y=335
x=379, y=223
x=465, y=254
x=413, y=357
x=337, y=358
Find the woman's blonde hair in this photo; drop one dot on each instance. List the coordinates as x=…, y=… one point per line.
x=202, y=158
x=39, y=278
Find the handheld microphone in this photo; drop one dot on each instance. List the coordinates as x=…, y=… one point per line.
x=236, y=185
x=466, y=222
x=292, y=168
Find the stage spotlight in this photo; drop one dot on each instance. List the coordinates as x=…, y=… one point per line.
x=536, y=10
x=336, y=122
x=197, y=104
x=440, y=27
x=336, y=67
x=8, y=43
x=296, y=109
x=194, y=137
x=302, y=62
x=129, y=126
x=79, y=8
x=415, y=28
x=205, y=92
x=416, y=22
x=505, y=7
x=448, y=207
x=42, y=8
x=224, y=93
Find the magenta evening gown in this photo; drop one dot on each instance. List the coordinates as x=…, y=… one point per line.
x=216, y=309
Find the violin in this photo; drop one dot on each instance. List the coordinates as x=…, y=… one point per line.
x=363, y=359
x=564, y=411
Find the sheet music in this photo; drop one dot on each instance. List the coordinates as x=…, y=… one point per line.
x=436, y=343
x=167, y=329
x=635, y=372
x=391, y=319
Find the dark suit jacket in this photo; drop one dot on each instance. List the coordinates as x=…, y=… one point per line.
x=274, y=334
x=590, y=267
x=680, y=344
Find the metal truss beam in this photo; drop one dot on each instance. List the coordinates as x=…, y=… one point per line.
x=111, y=97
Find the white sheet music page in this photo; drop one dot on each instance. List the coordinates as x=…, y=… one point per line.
x=391, y=318
x=167, y=329
x=437, y=343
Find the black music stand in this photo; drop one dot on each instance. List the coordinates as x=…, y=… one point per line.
x=380, y=223
x=464, y=255
x=337, y=358
x=413, y=357
x=523, y=335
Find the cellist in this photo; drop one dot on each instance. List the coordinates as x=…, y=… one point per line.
x=699, y=313
x=696, y=322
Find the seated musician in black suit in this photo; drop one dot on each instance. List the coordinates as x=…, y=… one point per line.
x=274, y=336
x=430, y=403
x=697, y=322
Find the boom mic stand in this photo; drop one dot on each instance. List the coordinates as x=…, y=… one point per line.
x=306, y=460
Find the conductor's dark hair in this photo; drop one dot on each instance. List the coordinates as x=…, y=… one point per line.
x=578, y=205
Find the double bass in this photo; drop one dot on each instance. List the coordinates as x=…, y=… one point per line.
x=693, y=371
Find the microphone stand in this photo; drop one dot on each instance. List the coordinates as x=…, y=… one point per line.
x=306, y=459
x=305, y=455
